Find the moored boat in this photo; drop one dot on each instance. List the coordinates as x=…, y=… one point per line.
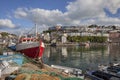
x=30, y=46
x=68, y=70
x=6, y=68
x=113, y=69
x=100, y=75
x=12, y=45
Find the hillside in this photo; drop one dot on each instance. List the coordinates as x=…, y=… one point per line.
x=7, y=35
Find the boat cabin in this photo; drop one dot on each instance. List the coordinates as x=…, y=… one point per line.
x=24, y=40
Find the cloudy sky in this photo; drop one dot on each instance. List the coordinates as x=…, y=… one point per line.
x=21, y=15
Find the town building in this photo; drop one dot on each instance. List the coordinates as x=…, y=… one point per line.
x=111, y=32
x=114, y=36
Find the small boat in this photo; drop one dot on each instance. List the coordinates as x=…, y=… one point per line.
x=12, y=45
x=72, y=71
x=114, y=69
x=9, y=63
x=100, y=75
x=6, y=68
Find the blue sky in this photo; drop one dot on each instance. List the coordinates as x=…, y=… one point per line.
x=9, y=5
x=7, y=8
x=17, y=15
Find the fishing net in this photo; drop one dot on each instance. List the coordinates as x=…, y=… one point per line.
x=41, y=75
x=29, y=71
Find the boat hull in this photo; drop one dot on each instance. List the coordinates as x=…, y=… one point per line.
x=29, y=49
x=30, y=52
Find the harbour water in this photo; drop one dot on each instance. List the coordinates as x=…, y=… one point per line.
x=81, y=57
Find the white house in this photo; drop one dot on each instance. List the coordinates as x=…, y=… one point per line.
x=64, y=38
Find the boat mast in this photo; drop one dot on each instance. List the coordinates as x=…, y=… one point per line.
x=36, y=29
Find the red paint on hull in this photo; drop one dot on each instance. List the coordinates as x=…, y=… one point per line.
x=31, y=52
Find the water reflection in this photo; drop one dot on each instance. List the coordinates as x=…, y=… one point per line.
x=81, y=57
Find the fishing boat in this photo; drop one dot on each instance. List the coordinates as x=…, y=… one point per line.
x=100, y=75
x=30, y=46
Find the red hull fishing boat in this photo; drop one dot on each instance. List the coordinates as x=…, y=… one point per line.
x=32, y=50
x=30, y=46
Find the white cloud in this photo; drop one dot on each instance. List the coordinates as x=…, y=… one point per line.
x=6, y=23
x=42, y=16
x=21, y=13
x=106, y=20
x=78, y=12
x=113, y=5
x=102, y=21
x=81, y=9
